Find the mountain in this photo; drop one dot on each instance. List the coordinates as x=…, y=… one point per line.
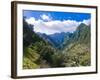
x=37, y=52
x=56, y=39
x=46, y=38
x=82, y=34
x=78, y=48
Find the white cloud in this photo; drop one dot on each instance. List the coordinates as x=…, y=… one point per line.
x=45, y=17
x=87, y=22
x=31, y=20
x=55, y=26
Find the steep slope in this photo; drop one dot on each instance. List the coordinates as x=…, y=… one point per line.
x=46, y=38
x=36, y=51
x=58, y=38
x=78, y=51
x=82, y=34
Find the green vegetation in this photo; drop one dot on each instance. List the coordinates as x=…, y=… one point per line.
x=39, y=53
x=77, y=55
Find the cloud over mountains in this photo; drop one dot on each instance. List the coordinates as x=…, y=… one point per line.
x=49, y=26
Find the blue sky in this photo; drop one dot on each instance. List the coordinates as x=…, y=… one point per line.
x=58, y=15
x=55, y=22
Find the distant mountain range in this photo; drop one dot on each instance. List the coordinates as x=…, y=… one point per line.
x=56, y=39
x=59, y=40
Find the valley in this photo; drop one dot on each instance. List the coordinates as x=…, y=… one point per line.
x=63, y=49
